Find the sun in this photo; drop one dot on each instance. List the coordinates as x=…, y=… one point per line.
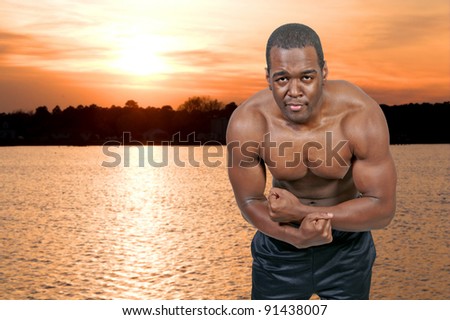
x=140, y=56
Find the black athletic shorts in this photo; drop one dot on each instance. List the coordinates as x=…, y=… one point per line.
x=341, y=269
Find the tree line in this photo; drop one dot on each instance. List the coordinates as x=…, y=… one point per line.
x=197, y=120
x=416, y=123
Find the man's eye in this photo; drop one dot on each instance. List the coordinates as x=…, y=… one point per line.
x=282, y=79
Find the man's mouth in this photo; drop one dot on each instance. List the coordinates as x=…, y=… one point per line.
x=295, y=106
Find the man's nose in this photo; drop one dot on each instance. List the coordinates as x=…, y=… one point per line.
x=295, y=88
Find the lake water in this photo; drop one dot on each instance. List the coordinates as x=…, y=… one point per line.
x=72, y=228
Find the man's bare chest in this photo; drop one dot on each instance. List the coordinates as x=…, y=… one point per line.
x=324, y=154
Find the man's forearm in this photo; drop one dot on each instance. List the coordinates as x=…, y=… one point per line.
x=256, y=212
x=360, y=214
x=314, y=230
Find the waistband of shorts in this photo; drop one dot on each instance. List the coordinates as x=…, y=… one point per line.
x=339, y=237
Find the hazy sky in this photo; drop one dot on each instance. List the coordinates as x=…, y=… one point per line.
x=162, y=52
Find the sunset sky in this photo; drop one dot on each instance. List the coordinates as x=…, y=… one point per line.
x=162, y=52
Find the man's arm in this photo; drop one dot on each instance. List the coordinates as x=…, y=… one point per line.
x=248, y=178
x=374, y=177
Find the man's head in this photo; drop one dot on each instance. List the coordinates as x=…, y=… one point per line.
x=296, y=72
x=294, y=35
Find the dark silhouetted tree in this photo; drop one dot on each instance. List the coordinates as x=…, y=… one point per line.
x=131, y=104
x=202, y=104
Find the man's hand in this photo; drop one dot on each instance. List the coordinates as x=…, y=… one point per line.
x=314, y=230
x=283, y=205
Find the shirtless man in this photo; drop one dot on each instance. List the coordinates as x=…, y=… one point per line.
x=326, y=145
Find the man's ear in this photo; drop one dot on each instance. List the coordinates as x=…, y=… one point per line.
x=268, y=78
x=325, y=71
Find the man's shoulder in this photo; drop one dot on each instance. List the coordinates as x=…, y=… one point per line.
x=250, y=118
x=362, y=119
x=256, y=106
x=349, y=94
x=258, y=102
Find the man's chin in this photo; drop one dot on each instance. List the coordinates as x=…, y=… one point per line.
x=297, y=118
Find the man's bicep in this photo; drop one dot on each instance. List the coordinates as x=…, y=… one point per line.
x=247, y=176
x=375, y=178
x=373, y=169
x=245, y=166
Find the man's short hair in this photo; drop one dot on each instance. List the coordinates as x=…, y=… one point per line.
x=294, y=35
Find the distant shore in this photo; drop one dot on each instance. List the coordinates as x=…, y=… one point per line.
x=201, y=123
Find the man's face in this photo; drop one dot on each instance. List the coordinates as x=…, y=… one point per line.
x=296, y=81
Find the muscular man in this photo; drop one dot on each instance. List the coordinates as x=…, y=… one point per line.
x=326, y=145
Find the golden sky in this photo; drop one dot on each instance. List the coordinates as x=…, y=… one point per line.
x=162, y=52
